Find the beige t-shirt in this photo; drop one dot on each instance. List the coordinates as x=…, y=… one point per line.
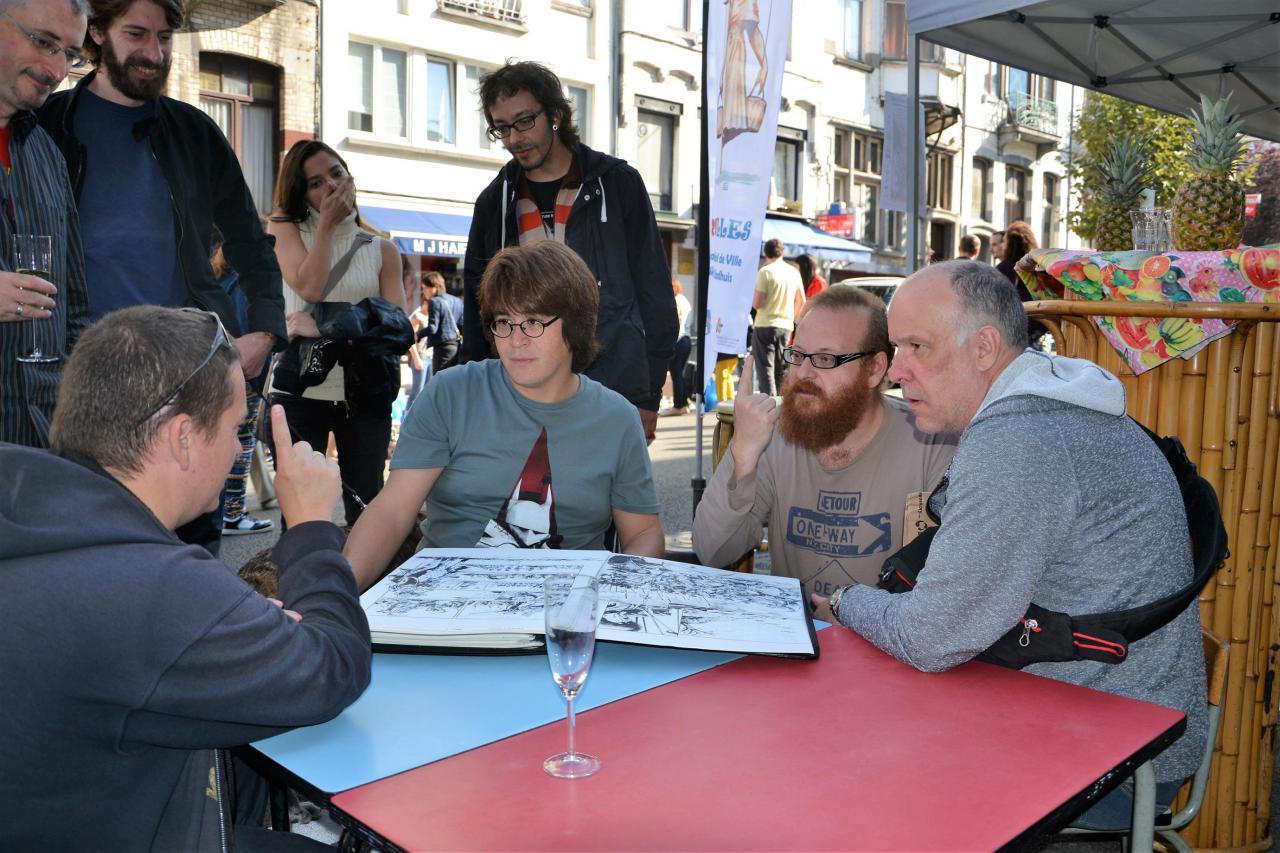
x=779, y=282
x=828, y=528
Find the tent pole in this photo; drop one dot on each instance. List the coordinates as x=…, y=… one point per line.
x=913, y=133
x=699, y=483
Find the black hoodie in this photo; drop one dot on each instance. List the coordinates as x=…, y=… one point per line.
x=127, y=657
x=612, y=228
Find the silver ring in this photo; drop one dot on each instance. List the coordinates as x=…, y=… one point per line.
x=19, y=309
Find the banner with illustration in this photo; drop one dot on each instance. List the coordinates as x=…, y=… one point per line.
x=746, y=44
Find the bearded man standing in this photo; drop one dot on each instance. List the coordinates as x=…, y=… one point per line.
x=838, y=470
x=152, y=177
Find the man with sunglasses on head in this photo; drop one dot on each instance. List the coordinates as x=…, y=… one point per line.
x=140, y=660
x=153, y=177
x=837, y=470
x=39, y=42
x=556, y=188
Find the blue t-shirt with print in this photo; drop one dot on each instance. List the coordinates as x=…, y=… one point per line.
x=522, y=473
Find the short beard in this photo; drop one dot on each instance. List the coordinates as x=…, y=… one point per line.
x=825, y=425
x=118, y=74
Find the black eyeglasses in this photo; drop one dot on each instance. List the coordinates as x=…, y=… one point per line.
x=821, y=360
x=75, y=58
x=220, y=339
x=502, y=131
x=531, y=328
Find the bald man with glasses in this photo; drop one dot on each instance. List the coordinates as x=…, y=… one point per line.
x=41, y=316
x=836, y=469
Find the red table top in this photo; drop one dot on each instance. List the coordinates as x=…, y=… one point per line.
x=727, y=760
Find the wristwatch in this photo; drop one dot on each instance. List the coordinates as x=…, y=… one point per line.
x=834, y=601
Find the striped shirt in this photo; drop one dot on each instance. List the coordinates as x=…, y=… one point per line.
x=36, y=198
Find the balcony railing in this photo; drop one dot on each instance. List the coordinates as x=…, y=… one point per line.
x=506, y=11
x=1034, y=113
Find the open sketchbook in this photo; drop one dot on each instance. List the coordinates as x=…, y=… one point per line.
x=491, y=599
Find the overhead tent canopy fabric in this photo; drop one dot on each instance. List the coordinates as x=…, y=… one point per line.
x=801, y=237
x=1162, y=53
x=420, y=232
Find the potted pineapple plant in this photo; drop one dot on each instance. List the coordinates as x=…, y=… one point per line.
x=1125, y=170
x=1208, y=209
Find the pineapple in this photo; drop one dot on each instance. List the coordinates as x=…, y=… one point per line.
x=1208, y=210
x=1125, y=171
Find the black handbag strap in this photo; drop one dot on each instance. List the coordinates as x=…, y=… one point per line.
x=338, y=270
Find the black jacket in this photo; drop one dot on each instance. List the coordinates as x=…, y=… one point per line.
x=208, y=189
x=611, y=227
x=129, y=656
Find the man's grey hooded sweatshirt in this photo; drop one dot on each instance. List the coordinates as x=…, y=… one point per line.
x=1054, y=496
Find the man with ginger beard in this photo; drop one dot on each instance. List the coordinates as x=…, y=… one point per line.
x=836, y=469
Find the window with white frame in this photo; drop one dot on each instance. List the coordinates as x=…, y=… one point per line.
x=655, y=148
x=440, y=102
x=938, y=176
x=785, y=182
x=980, y=202
x=379, y=90
x=1017, y=183
x=673, y=13
x=849, y=13
x=1052, y=212
x=473, y=129
x=895, y=35
x=866, y=160
x=841, y=161
x=580, y=99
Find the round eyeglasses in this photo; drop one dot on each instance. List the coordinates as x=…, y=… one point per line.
x=821, y=360
x=522, y=124
x=531, y=328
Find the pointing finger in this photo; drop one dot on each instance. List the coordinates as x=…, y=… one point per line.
x=748, y=369
x=283, y=439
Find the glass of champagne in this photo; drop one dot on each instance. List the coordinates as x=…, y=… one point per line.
x=34, y=257
x=572, y=608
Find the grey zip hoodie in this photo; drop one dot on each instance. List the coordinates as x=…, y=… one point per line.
x=1054, y=496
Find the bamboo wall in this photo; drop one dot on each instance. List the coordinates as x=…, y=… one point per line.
x=1225, y=406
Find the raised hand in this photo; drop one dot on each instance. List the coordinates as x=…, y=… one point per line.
x=307, y=482
x=338, y=204
x=754, y=416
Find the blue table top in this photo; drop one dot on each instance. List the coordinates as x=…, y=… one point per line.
x=422, y=708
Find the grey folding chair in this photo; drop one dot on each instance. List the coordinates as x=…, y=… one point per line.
x=1145, y=827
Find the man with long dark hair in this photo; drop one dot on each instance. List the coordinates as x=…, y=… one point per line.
x=556, y=188
x=152, y=177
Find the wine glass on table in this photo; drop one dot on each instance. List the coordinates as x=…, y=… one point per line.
x=34, y=256
x=572, y=608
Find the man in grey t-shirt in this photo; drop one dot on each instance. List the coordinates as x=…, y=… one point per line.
x=833, y=469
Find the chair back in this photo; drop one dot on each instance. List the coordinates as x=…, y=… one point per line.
x=1216, y=651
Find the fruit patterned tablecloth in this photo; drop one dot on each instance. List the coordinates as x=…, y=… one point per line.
x=1246, y=274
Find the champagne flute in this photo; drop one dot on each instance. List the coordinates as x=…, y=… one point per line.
x=34, y=257
x=572, y=608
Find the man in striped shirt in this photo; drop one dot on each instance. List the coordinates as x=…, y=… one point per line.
x=39, y=320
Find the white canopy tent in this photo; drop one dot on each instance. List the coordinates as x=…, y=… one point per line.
x=1162, y=53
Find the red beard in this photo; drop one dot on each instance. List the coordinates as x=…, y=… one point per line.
x=813, y=420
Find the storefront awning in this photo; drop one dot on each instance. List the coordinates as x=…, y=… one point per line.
x=421, y=232
x=801, y=237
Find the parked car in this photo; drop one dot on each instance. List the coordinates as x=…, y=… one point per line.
x=881, y=285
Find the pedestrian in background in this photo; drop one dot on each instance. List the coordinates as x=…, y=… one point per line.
x=318, y=229
x=777, y=299
x=813, y=283
x=680, y=358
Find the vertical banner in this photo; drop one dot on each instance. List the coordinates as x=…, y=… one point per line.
x=895, y=180
x=746, y=52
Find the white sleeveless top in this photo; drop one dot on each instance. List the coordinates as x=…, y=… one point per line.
x=361, y=280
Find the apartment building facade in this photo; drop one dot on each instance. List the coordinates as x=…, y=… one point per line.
x=399, y=80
